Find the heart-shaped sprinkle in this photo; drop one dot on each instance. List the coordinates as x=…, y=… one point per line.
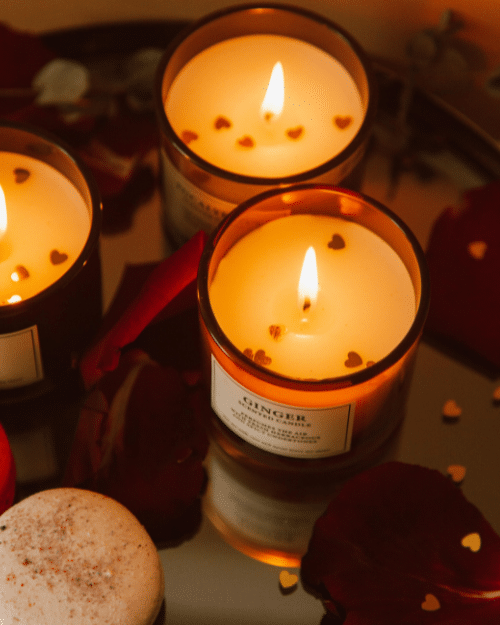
x=248, y=353
x=456, y=472
x=451, y=410
x=353, y=360
x=472, y=542
x=288, y=581
x=342, y=122
x=188, y=135
x=431, y=603
x=295, y=133
x=337, y=242
x=246, y=142
x=21, y=175
x=261, y=359
x=277, y=332
x=20, y=273
x=222, y=122
x=477, y=249
x=370, y=363
x=56, y=257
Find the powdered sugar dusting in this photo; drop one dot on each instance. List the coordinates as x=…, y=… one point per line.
x=68, y=555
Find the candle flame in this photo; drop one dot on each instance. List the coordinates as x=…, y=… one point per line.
x=273, y=101
x=308, y=283
x=3, y=213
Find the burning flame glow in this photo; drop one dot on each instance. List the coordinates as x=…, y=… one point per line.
x=3, y=213
x=272, y=104
x=308, y=283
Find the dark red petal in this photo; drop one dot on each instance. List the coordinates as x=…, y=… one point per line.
x=391, y=537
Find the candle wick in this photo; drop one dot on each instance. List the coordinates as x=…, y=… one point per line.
x=306, y=305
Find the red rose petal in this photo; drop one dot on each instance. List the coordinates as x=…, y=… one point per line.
x=391, y=539
x=465, y=299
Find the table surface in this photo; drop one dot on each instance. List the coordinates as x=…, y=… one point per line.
x=206, y=578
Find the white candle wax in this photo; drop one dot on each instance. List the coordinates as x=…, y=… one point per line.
x=214, y=106
x=364, y=307
x=48, y=224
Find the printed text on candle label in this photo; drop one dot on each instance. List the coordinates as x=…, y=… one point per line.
x=284, y=430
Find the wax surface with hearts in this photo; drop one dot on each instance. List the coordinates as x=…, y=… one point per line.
x=44, y=225
x=257, y=119
x=361, y=306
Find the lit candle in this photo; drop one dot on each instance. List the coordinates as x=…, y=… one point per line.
x=45, y=223
x=291, y=109
x=251, y=98
x=308, y=314
x=50, y=278
x=312, y=302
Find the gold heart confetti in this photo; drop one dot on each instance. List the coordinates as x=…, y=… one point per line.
x=337, y=242
x=353, y=360
x=456, y=472
x=477, y=249
x=451, y=410
x=246, y=142
x=295, y=133
x=222, y=122
x=288, y=580
x=472, y=542
x=431, y=603
x=277, y=332
x=56, y=257
x=20, y=273
x=342, y=122
x=261, y=359
x=188, y=135
x=21, y=175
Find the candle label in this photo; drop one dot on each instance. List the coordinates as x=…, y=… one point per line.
x=20, y=358
x=188, y=208
x=281, y=429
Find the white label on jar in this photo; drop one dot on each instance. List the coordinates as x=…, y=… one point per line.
x=20, y=358
x=188, y=208
x=280, y=429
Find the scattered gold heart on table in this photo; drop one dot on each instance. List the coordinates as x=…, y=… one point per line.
x=353, y=360
x=472, y=542
x=456, y=472
x=431, y=603
x=451, y=410
x=56, y=257
x=21, y=175
x=222, y=122
x=342, y=122
x=288, y=580
x=477, y=249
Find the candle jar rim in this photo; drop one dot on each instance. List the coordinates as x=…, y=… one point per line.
x=273, y=377
x=160, y=92
x=85, y=185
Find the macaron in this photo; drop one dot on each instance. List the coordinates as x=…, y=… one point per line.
x=70, y=555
